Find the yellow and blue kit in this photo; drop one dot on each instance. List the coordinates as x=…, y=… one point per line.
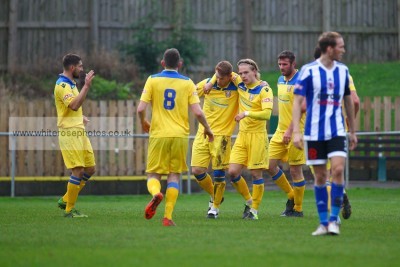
x=170, y=95
x=64, y=92
x=285, y=102
x=220, y=107
x=75, y=146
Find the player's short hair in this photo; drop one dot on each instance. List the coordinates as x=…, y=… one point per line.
x=327, y=39
x=287, y=54
x=224, y=68
x=71, y=60
x=172, y=58
x=317, y=52
x=252, y=63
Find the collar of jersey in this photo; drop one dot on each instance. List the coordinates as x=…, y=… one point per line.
x=230, y=86
x=253, y=86
x=65, y=79
x=284, y=77
x=323, y=66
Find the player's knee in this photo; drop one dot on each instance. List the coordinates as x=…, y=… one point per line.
x=337, y=171
x=272, y=170
x=295, y=173
x=78, y=172
x=233, y=174
x=90, y=171
x=197, y=170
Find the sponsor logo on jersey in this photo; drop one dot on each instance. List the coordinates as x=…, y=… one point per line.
x=67, y=96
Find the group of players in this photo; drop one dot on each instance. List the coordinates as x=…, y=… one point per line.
x=316, y=92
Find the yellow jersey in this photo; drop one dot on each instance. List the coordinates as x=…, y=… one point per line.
x=170, y=95
x=220, y=107
x=254, y=97
x=251, y=98
x=65, y=91
x=285, y=102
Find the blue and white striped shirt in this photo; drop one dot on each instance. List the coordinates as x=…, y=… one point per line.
x=324, y=90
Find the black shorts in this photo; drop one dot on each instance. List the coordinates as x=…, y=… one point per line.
x=318, y=152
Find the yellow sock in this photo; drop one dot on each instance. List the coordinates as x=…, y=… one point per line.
x=153, y=186
x=241, y=186
x=298, y=188
x=65, y=196
x=170, y=199
x=258, y=192
x=281, y=181
x=73, y=189
x=85, y=178
x=205, y=182
x=219, y=189
x=328, y=188
x=82, y=185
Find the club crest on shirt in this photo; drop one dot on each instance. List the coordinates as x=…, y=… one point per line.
x=251, y=97
x=228, y=93
x=331, y=85
x=289, y=88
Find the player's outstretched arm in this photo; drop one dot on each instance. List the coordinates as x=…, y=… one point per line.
x=77, y=102
x=141, y=111
x=198, y=112
x=257, y=115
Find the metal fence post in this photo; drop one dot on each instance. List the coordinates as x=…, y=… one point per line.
x=347, y=168
x=13, y=161
x=189, y=172
x=381, y=164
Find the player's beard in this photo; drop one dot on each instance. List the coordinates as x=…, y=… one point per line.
x=80, y=79
x=76, y=74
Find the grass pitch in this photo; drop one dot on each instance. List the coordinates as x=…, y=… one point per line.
x=34, y=233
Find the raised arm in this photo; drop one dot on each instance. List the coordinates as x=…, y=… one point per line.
x=77, y=102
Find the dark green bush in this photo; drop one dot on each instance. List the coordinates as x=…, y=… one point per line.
x=105, y=89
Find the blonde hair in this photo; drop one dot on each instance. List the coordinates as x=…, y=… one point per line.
x=328, y=39
x=253, y=66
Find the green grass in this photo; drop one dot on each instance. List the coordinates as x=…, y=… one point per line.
x=372, y=79
x=34, y=233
